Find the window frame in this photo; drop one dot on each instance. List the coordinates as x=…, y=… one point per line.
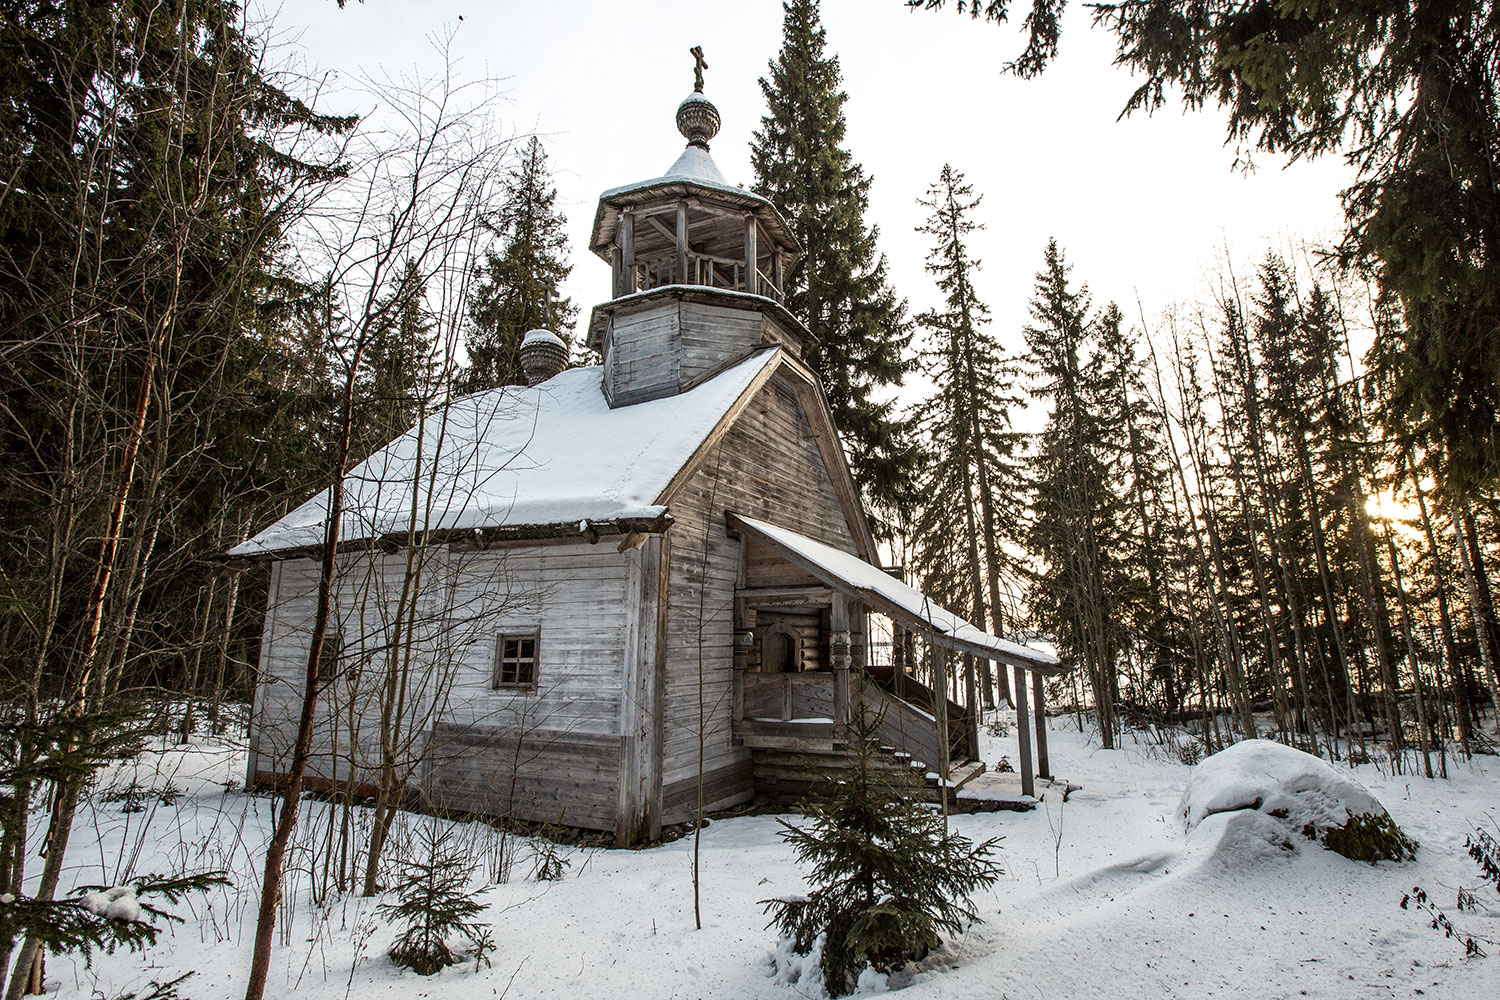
x=330, y=656
x=497, y=670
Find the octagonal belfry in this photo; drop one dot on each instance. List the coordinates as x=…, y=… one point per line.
x=698, y=270
x=692, y=227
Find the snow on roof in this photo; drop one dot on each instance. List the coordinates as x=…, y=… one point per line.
x=694, y=166
x=542, y=336
x=836, y=567
x=548, y=454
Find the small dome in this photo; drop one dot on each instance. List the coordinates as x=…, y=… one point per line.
x=697, y=120
x=543, y=355
x=542, y=336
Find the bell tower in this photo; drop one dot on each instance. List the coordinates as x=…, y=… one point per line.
x=698, y=270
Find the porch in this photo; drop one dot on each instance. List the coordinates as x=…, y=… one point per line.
x=806, y=658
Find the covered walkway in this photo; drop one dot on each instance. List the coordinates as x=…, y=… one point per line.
x=778, y=701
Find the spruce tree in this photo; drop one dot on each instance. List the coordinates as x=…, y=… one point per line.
x=838, y=286
x=434, y=904
x=400, y=371
x=518, y=282
x=1406, y=91
x=966, y=428
x=1141, y=477
x=1073, y=506
x=887, y=875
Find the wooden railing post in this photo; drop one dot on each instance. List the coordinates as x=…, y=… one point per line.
x=750, y=255
x=1023, y=733
x=971, y=708
x=627, y=249
x=1043, y=769
x=682, y=243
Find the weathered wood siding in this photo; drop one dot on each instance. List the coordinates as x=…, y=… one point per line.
x=767, y=466
x=547, y=776
x=458, y=726
x=669, y=344
x=764, y=568
x=712, y=335
x=641, y=355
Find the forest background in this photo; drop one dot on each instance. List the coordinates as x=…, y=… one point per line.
x=224, y=283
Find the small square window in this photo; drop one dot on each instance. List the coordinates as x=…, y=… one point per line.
x=329, y=656
x=515, y=660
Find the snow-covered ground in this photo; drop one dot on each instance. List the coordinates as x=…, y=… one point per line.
x=1103, y=895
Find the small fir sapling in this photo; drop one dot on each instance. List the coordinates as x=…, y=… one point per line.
x=155, y=990
x=434, y=904
x=886, y=878
x=548, y=863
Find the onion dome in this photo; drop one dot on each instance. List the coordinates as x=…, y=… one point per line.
x=543, y=355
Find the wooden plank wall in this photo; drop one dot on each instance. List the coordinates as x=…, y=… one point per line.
x=765, y=568
x=786, y=697
x=767, y=466
x=547, y=776
x=712, y=335
x=670, y=346
x=575, y=594
x=641, y=362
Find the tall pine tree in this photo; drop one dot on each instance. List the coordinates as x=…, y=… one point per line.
x=838, y=287
x=960, y=531
x=518, y=283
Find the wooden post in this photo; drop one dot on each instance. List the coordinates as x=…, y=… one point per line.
x=617, y=273
x=839, y=647
x=859, y=660
x=638, y=805
x=971, y=708
x=627, y=250
x=1023, y=733
x=750, y=255
x=682, y=243
x=776, y=277
x=1043, y=769
x=940, y=713
x=744, y=635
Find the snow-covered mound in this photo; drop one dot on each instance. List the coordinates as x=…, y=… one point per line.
x=1295, y=793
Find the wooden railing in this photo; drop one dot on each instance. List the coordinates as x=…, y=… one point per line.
x=706, y=270
x=906, y=721
x=904, y=690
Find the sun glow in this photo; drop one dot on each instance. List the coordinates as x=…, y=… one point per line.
x=1405, y=517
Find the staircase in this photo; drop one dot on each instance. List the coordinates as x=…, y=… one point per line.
x=786, y=777
x=790, y=766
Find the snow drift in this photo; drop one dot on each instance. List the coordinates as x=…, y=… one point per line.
x=1267, y=793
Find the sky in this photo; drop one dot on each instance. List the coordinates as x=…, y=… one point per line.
x=1147, y=209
